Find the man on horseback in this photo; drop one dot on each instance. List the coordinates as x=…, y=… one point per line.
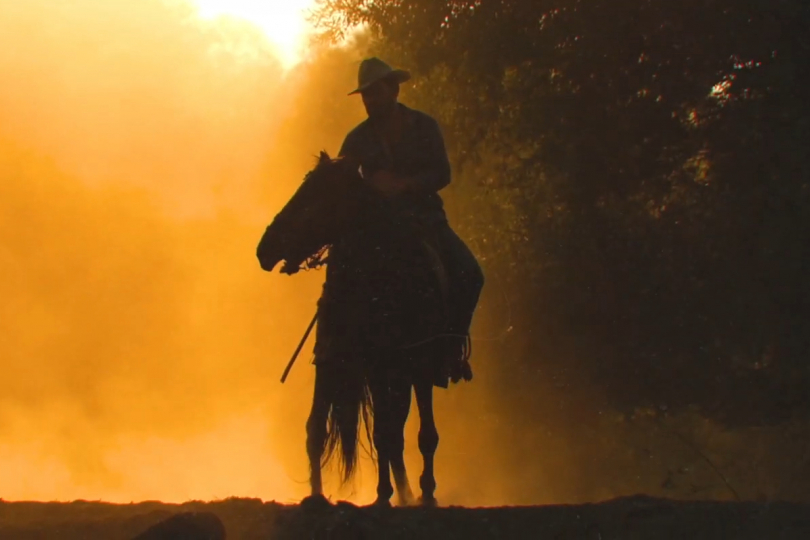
x=401, y=153
x=400, y=288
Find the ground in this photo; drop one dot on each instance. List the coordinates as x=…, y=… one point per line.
x=249, y=519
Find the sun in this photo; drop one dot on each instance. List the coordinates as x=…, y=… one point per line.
x=282, y=21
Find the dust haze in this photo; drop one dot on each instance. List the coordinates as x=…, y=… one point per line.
x=142, y=153
x=140, y=345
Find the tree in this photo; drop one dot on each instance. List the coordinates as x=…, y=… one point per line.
x=640, y=166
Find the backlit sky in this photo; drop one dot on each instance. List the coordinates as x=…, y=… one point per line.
x=140, y=343
x=282, y=21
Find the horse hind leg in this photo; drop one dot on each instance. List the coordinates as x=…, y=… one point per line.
x=428, y=440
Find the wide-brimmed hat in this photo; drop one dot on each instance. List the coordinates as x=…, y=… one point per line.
x=373, y=70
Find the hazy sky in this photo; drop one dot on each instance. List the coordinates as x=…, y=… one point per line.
x=141, y=159
x=282, y=21
x=143, y=150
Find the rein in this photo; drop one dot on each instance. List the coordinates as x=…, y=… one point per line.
x=298, y=349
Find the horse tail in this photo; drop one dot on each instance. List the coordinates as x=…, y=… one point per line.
x=350, y=404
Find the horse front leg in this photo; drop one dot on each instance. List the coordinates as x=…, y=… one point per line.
x=400, y=408
x=428, y=439
x=316, y=438
x=381, y=399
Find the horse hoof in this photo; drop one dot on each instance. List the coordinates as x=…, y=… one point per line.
x=428, y=502
x=315, y=503
x=381, y=503
x=406, y=499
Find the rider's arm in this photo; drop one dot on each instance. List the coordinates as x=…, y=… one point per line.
x=347, y=148
x=436, y=174
x=350, y=151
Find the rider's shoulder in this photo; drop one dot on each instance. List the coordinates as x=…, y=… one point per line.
x=420, y=117
x=358, y=130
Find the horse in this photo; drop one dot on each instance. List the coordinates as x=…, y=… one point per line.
x=382, y=326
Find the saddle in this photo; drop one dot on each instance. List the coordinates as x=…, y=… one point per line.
x=447, y=353
x=453, y=347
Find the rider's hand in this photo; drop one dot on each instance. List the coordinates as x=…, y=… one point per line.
x=387, y=183
x=350, y=163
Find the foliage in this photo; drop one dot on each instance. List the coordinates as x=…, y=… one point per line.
x=637, y=170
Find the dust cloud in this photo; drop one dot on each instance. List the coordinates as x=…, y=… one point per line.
x=142, y=153
x=141, y=345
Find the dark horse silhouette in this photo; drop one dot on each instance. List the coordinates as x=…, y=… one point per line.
x=383, y=325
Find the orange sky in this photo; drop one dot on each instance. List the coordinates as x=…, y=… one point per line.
x=284, y=22
x=137, y=157
x=142, y=153
x=143, y=150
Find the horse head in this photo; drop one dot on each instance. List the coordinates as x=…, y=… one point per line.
x=313, y=218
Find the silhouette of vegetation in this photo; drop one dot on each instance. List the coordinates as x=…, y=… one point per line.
x=638, y=169
x=636, y=173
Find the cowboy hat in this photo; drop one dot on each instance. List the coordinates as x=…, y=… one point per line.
x=373, y=70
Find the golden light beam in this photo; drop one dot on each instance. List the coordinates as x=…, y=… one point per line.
x=282, y=21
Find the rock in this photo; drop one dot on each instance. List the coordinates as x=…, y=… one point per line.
x=186, y=526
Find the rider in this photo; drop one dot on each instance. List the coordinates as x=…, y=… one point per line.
x=401, y=153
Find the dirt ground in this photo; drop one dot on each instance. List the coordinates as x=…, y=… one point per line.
x=249, y=519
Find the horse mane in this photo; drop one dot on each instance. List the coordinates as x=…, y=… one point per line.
x=320, y=257
x=324, y=158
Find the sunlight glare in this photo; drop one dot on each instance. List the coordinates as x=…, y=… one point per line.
x=282, y=21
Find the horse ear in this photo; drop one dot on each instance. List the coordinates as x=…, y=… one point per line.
x=324, y=158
